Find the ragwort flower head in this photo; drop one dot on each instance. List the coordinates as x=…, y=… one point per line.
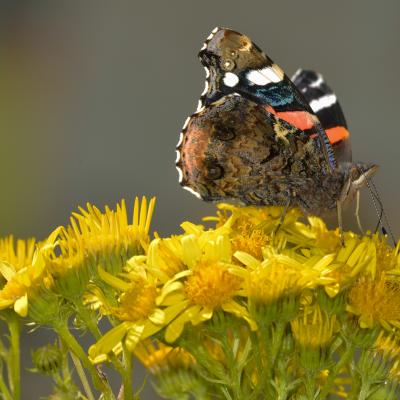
x=94, y=238
x=376, y=301
x=105, y=236
x=137, y=308
x=28, y=272
x=16, y=254
x=206, y=284
x=313, y=328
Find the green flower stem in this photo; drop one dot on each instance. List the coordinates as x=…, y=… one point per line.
x=75, y=347
x=235, y=375
x=14, y=356
x=365, y=391
x=346, y=356
x=87, y=318
x=272, y=335
x=82, y=377
x=277, y=338
x=127, y=374
x=4, y=390
x=255, y=341
x=310, y=384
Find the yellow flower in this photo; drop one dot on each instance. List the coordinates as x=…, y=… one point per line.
x=280, y=275
x=94, y=237
x=314, y=328
x=137, y=309
x=375, y=301
x=21, y=280
x=206, y=285
x=16, y=254
x=110, y=233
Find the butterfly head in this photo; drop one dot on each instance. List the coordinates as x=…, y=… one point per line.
x=226, y=54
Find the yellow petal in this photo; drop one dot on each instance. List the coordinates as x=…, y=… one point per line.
x=191, y=228
x=175, y=328
x=173, y=298
x=191, y=251
x=157, y=317
x=202, y=315
x=7, y=270
x=109, y=340
x=324, y=262
x=150, y=329
x=247, y=259
x=357, y=253
x=172, y=311
x=332, y=290
x=133, y=336
x=168, y=289
x=240, y=312
x=345, y=251
x=224, y=249
x=5, y=303
x=21, y=306
x=112, y=280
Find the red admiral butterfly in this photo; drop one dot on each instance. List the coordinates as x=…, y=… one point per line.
x=259, y=138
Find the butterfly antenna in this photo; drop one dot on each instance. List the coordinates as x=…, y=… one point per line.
x=378, y=205
x=383, y=213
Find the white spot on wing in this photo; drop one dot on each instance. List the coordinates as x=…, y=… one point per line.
x=189, y=189
x=323, y=102
x=230, y=79
x=265, y=76
x=205, y=89
x=180, y=173
x=318, y=82
x=200, y=106
x=178, y=156
x=215, y=30
x=204, y=46
x=180, y=140
x=186, y=123
x=296, y=74
x=207, y=72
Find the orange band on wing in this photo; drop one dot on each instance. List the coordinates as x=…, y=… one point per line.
x=304, y=120
x=300, y=119
x=337, y=134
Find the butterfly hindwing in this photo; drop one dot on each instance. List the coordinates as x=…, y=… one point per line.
x=236, y=149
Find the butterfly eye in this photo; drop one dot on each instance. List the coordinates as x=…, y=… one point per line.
x=215, y=172
x=228, y=65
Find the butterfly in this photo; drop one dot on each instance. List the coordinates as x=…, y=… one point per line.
x=260, y=138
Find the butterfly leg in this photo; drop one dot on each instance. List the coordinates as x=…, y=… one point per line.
x=340, y=220
x=357, y=212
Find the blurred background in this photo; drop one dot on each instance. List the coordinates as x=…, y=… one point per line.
x=93, y=95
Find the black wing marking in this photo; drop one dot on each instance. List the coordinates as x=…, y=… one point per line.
x=325, y=105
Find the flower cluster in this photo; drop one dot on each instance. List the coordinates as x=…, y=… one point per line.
x=242, y=305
